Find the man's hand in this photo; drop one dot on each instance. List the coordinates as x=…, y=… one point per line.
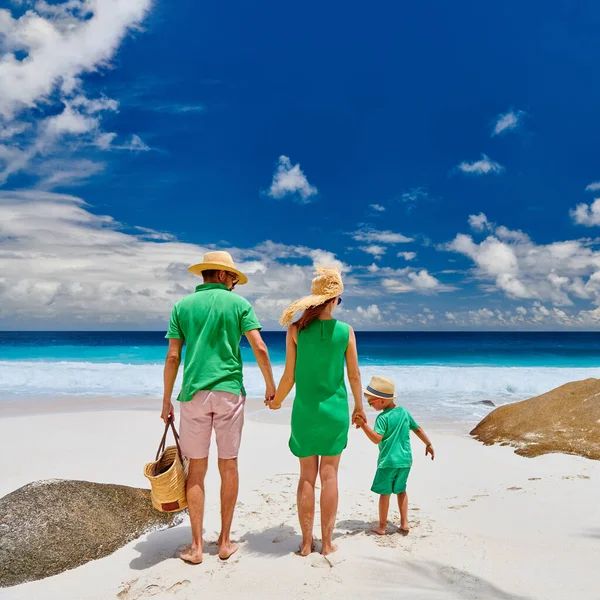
x=358, y=412
x=429, y=450
x=270, y=393
x=167, y=412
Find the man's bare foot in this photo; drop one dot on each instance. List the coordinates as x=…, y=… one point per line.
x=227, y=549
x=306, y=549
x=191, y=554
x=379, y=530
x=326, y=550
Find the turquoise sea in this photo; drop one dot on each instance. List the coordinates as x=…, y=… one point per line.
x=448, y=375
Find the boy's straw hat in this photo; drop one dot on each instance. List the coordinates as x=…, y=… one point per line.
x=325, y=286
x=381, y=387
x=218, y=261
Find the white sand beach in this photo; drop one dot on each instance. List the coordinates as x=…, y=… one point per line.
x=486, y=523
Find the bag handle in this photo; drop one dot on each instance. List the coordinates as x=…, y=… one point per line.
x=163, y=441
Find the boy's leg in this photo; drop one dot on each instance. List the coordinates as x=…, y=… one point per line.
x=309, y=469
x=384, y=506
x=403, y=506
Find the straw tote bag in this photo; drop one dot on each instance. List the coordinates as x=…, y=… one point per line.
x=167, y=475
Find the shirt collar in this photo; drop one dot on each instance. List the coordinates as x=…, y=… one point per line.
x=211, y=286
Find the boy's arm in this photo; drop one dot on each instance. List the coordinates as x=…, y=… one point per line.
x=428, y=445
x=371, y=434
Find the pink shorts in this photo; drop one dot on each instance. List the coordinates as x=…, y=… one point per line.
x=207, y=409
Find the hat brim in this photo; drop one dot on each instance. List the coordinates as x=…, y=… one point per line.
x=201, y=267
x=307, y=302
x=376, y=395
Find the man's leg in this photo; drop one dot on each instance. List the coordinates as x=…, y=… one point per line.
x=228, y=468
x=228, y=422
x=309, y=469
x=195, y=499
x=329, y=500
x=195, y=430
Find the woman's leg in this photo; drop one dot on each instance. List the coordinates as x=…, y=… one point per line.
x=309, y=469
x=329, y=500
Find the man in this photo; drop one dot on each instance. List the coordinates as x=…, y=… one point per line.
x=211, y=322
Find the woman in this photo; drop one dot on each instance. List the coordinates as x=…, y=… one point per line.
x=316, y=347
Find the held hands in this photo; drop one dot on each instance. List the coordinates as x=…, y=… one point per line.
x=359, y=418
x=167, y=412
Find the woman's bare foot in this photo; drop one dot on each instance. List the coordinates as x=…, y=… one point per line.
x=404, y=528
x=227, y=549
x=330, y=549
x=191, y=554
x=379, y=530
x=306, y=549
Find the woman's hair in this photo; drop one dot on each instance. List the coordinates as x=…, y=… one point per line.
x=310, y=314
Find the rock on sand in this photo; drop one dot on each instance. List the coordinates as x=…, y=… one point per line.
x=50, y=526
x=566, y=419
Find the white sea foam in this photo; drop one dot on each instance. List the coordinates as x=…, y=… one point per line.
x=436, y=391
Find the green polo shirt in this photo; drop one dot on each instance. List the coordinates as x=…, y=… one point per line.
x=395, y=425
x=212, y=322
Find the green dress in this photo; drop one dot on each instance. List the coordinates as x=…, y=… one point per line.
x=320, y=414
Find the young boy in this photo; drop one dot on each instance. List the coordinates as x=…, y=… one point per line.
x=392, y=434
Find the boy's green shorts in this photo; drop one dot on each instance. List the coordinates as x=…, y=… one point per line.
x=390, y=481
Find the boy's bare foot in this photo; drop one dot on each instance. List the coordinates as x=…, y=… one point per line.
x=306, y=549
x=326, y=550
x=191, y=554
x=227, y=549
x=379, y=530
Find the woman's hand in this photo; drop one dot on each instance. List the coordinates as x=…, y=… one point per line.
x=358, y=413
x=167, y=412
x=272, y=404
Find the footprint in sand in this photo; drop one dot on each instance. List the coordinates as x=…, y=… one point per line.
x=457, y=507
x=513, y=489
x=534, y=479
x=136, y=589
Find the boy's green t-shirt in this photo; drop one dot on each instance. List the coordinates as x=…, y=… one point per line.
x=212, y=322
x=395, y=425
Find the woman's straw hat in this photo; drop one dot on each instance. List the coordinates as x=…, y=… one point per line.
x=325, y=286
x=381, y=387
x=218, y=261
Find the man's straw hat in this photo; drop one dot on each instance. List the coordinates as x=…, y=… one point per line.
x=381, y=387
x=325, y=286
x=218, y=261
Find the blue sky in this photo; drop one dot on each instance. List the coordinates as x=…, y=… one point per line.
x=439, y=153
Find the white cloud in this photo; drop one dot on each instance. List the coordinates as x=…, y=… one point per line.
x=407, y=255
x=593, y=187
x=374, y=249
x=480, y=222
x=64, y=266
x=62, y=42
x=416, y=281
x=382, y=237
x=413, y=196
x=377, y=207
x=56, y=173
x=290, y=180
x=483, y=166
x=508, y=122
x=587, y=214
x=557, y=272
